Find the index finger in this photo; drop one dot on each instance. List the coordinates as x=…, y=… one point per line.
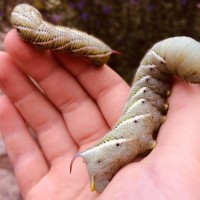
x=105, y=86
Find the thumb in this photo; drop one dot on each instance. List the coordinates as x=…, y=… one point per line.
x=176, y=155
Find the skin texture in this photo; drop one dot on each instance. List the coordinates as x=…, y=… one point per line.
x=170, y=171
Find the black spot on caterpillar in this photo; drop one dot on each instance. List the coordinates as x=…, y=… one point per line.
x=32, y=28
x=146, y=106
x=145, y=109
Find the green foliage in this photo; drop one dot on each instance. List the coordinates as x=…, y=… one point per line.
x=130, y=27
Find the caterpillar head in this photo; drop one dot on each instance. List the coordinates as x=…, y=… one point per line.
x=25, y=19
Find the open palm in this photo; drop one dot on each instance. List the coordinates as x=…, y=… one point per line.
x=74, y=105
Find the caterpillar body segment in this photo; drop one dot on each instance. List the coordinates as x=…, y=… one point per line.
x=156, y=85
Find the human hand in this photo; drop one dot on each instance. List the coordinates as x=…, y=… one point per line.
x=80, y=103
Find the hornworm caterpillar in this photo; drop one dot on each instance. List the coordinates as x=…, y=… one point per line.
x=145, y=109
x=146, y=106
x=32, y=28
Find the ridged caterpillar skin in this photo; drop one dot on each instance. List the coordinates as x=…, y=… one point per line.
x=145, y=109
x=146, y=106
x=32, y=28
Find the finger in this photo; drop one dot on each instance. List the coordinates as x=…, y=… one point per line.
x=182, y=116
x=27, y=159
x=179, y=138
x=38, y=112
x=78, y=109
x=108, y=89
x=174, y=163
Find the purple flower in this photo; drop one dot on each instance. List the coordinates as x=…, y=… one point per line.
x=134, y=1
x=150, y=6
x=183, y=2
x=56, y=18
x=84, y=16
x=106, y=10
x=72, y=4
x=1, y=13
x=80, y=5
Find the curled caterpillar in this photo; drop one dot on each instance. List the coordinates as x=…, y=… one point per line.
x=145, y=109
x=32, y=28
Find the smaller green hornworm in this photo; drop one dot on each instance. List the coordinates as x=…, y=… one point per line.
x=32, y=28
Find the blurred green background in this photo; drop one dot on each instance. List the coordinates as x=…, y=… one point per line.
x=128, y=26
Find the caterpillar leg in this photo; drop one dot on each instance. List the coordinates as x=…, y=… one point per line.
x=152, y=144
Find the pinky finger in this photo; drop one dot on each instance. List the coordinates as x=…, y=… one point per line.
x=27, y=159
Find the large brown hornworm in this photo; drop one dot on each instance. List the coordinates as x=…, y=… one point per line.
x=32, y=28
x=146, y=106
